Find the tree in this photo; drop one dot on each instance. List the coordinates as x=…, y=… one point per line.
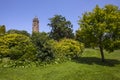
x=2, y=30
x=12, y=31
x=43, y=44
x=39, y=39
x=101, y=27
x=61, y=28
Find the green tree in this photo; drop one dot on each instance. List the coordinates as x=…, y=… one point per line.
x=61, y=28
x=2, y=30
x=101, y=27
x=12, y=31
x=43, y=44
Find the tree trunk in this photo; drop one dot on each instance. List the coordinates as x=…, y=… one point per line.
x=101, y=48
x=102, y=53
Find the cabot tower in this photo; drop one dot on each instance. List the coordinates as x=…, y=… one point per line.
x=35, y=25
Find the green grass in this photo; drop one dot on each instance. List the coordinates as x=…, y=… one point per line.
x=88, y=67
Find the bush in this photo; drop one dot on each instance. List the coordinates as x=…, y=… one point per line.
x=44, y=46
x=6, y=62
x=16, y=46
x=48, y=53
x=2, y=30
x=67, y=49
x=14, y=31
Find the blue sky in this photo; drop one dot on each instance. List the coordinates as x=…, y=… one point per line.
x=18, y=14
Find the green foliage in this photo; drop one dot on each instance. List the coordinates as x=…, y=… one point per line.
x=44, y=46
x=23, y=32
x=101, y=27
x=117, y=44
x=67, y=49
x=82, y=38
x=48, y=49
x=2, y=30
x=16, y=46
x=60, y=28
x=39, y=39
x=7, y=63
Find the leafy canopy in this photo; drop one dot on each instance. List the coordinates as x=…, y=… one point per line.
x=60, y=28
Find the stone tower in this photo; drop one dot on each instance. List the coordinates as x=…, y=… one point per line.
x=35, y=25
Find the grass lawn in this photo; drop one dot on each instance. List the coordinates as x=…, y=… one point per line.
x=88, y=67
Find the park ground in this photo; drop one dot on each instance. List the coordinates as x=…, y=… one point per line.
x=88, y=67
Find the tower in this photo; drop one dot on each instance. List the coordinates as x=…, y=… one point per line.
x=35, y=25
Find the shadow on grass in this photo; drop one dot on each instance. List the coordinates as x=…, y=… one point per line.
x=94, y=60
